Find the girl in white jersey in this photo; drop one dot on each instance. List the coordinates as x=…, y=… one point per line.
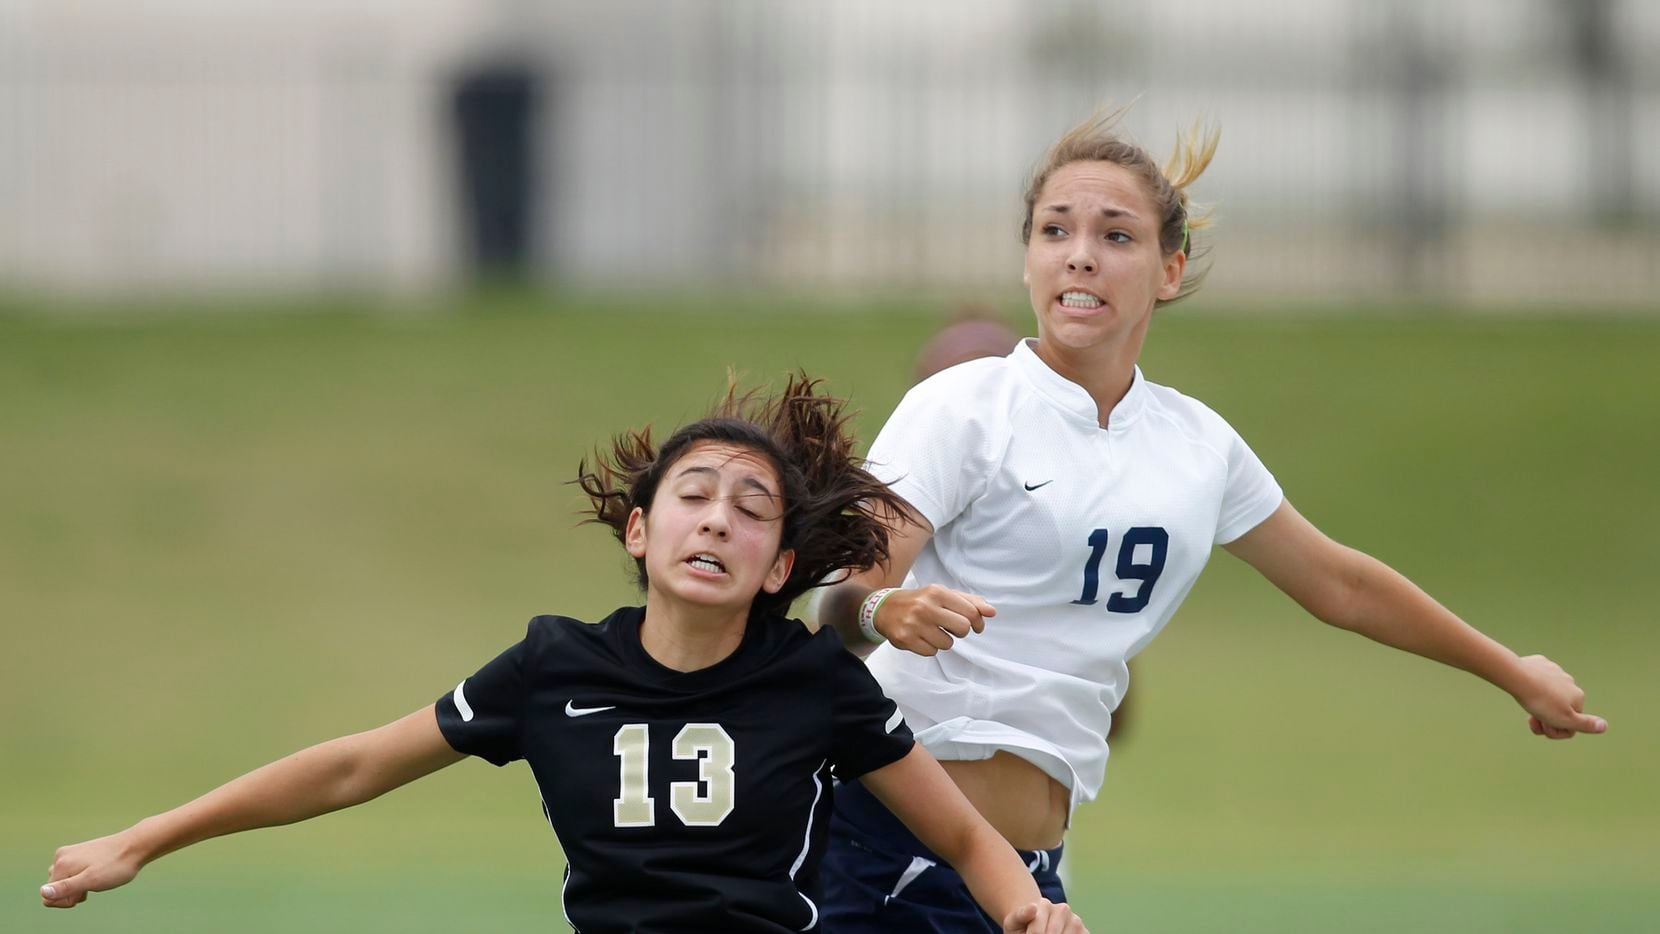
x=1059, y=490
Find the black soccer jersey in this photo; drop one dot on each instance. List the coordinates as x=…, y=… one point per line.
x=684, y=801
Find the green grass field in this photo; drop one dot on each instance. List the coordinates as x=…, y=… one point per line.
x=224, y=537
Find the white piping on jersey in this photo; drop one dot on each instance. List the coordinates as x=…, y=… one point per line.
x=894, y=720
x=461, y=703
x=807, y=844
x=917, y=867
x=563, y=886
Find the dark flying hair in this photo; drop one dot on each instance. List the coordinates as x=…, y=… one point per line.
x=836, y=514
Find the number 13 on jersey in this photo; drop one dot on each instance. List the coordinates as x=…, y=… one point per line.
x=703, y=803
x=1156, y=542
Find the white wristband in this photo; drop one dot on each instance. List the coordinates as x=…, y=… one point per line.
x=867, y=614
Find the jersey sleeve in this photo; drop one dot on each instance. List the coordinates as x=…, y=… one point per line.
x=483, y=716
x=936, y=450
x=1251, y=495
x=869, y=731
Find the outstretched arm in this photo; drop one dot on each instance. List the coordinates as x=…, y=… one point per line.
x=326, y=777
x=919, y=793
x=1354, y=591
x=925, y=620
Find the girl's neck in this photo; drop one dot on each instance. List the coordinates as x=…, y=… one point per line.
x=689, y=638
x=1105, y=371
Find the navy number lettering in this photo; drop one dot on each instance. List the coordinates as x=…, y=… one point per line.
x=1128, y=568
x=1092, y=567
x=1131, y=570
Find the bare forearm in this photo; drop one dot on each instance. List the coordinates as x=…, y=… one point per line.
x=313, y=781
x=839, y=609
x=921, y=795
x=993, y=872
x=1355, y=591
x=326, y=777
x=1384, y=606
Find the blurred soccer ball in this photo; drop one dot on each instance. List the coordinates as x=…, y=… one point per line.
x=962, y=341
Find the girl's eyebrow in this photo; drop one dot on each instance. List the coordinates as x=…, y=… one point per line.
x=744, y=481
x=1109, y=212
x=751, y=481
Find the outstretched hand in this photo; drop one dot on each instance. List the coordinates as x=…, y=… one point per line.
x=94, y=866
x=1554, y=703
x=929, y=619
x=1043, y=917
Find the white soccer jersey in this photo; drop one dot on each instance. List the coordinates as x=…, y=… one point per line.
x=1084, y=538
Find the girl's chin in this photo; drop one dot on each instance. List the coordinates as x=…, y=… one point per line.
x=707, y=594
x=1077, y=335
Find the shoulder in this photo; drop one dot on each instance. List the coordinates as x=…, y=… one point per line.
x=784, y=636
x=972, y=402
x=1180, y=414
x=791, y=643
x=977, y=382
x=552, y=628
x=564, y=637
x=828, y=655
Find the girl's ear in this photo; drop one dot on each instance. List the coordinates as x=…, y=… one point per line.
x=1174, y=267
x=779, y=574
x=634, y=534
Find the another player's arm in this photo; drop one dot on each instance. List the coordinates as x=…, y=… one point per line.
x=919, y=793
x=323, y=778
x=1352, y=590
x=925, y=620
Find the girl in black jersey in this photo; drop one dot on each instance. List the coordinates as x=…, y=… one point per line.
x=686, y=751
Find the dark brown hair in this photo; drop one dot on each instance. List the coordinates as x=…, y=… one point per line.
x=1097, y=140
x=836, y=514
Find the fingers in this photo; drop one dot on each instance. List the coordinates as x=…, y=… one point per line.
x=1059, y=919
x=1043, y=917
x=936, y=638
x=1020, y=920
x=956, y=613
x=64, y=893
x=930, y=619
x=1577, y=724
x=1585, y=723
x=1555, y=703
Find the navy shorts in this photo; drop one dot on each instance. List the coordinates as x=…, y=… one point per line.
x=879, y=878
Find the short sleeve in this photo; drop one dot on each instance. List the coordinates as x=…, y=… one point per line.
x=483, y=715
x=1251, y=494
x=936, y=450
x=869, y=731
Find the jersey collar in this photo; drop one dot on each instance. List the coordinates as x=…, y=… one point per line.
x=1073, y=398
x=625, y=628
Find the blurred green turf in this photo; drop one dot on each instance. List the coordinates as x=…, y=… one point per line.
x=223, y=537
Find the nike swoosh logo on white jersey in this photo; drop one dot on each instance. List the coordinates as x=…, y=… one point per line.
x=571, y=710
x=462, y=705
x=1033, y=486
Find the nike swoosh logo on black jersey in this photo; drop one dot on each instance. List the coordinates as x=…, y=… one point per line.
x=571, y=710
x=1032, y=486
x=461, y=705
